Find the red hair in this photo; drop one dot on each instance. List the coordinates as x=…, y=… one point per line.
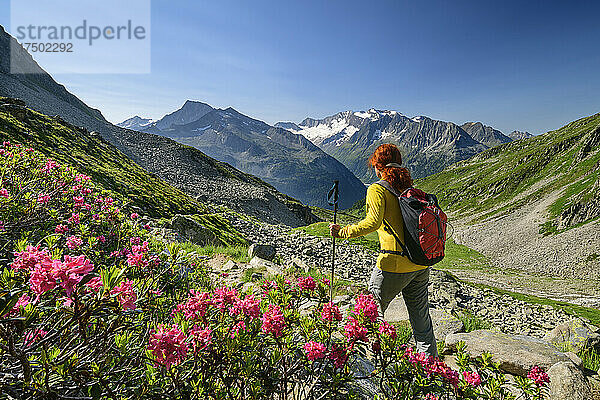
x=398, y=177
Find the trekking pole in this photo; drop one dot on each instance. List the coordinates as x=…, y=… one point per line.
x=332, y=199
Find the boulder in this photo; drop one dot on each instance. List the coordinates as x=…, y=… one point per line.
x=567, y=382
x=264, y=251
x=574, y=335
x=271, y=267
x=516, y=354
x=190, y=229
x=443, y=322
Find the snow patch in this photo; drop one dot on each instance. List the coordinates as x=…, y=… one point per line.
x=201, y=129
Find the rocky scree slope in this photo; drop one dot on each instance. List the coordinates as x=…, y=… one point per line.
x=531, y=204
x=289, y=162
x=183, y=167
x=427, y=145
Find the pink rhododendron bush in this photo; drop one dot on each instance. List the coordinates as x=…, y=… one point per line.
x=92, y=306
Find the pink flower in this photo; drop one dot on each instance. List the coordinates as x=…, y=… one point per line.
x=224, y=297
x=4, y=193
x=387, y=329
x=314, y=350
x=201, y=338
x=195, y=307
x=250, y=306
x=168, y=345
x=74, y=219
x=538, y=376
x=43, y=199
x=472, y=378
x=431, y=396
x=95, y=284
x=240, y=326
x=33, y=336
x=338, y=356
x=134, y=215
x=29, y=258
x=61, y=228
x=78, y=265
x=307, y=283
x=147, y=227
x=331, y=312
x=135, y=240
x=367, y=307
x=273, y=321
x=78, y=201
x=73, y=242
x=42, y=278
x=354, y=331
x=125, y=294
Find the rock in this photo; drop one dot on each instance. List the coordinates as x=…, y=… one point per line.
x=568, y=383
x=515, y=354
x=575, y=335
x=271, y=268
x=575, y=358
x=228, y=266
x=264, y=251
x=443, y=322
x=190, y=229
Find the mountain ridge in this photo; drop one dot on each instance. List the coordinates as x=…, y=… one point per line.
x=350, y=136
x=289, y=162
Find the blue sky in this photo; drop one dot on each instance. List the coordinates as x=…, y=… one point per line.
x=526, y=65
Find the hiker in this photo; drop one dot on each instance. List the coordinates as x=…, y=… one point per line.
x=394, y=273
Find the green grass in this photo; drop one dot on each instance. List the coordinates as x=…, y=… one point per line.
x=237, y=253
x=590, y=358
x=472, y=322
x=462, y=257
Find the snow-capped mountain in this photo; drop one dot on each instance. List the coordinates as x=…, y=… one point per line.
x=427, y=145
x=136, y=123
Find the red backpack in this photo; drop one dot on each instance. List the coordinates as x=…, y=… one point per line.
x=424, y=226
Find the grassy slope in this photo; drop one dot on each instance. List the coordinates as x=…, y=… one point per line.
x=93, y=156
x=508, y=176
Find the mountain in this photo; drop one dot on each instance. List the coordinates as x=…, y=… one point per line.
x=184, y=167
x=518, y=135
x=532, y=203
x=289, y=162
x=427, y=145
x=485, y=134
x=191, y=111
x=136, y=123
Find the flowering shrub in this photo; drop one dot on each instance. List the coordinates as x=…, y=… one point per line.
x=91, y=305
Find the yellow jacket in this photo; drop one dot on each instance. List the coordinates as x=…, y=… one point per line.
x=381, y=203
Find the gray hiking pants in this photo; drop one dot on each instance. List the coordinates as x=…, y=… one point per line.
x=385, y=286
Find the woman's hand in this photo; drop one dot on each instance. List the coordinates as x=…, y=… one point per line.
x=334, y=230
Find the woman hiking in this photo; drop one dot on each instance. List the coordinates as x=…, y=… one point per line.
x=394, y=273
